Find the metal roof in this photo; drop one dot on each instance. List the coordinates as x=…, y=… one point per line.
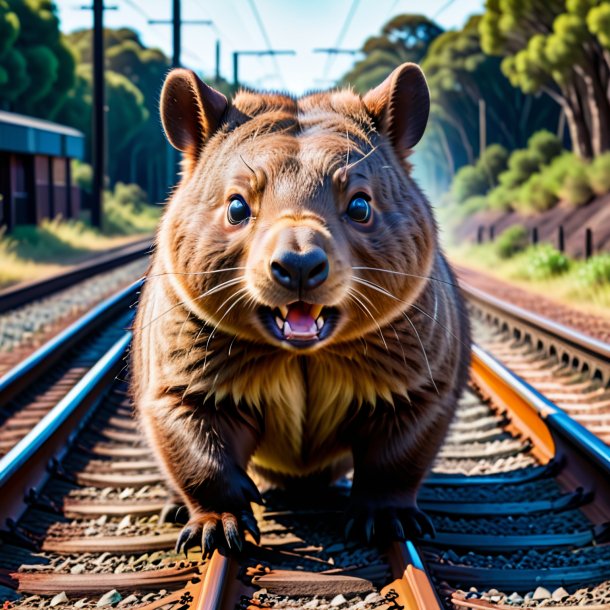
x=30, y=135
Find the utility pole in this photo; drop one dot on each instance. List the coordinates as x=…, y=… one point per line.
x=98, y=132
x=176, y=22
x=217, y=63
x=99, y=123
x=236, y=55
x=482, y=127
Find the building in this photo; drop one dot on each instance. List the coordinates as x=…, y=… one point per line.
x=35, y=176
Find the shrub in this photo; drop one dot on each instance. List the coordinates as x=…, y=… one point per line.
x=493, y=162
x=544, y=261
x=511, y=241
x=575, y=188
x=82, y=174
x=596, y=271
x=126, y=211
x=521, y=165
x=501, y=199
x=599, y=174
x=535, y=196
x=545, y=146
x=469, y=182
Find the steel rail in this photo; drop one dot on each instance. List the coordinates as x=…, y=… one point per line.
x=22, y=375
x=573, y=338
x=533, y=416
x=21, y=294
x=25, y=465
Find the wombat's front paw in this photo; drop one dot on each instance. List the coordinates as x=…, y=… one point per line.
x=385, y=523
x=222, y=531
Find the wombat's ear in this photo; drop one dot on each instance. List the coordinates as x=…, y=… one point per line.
x=401, y=105
x=190, y=111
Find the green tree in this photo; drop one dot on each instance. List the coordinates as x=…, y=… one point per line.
x=559, y=47
x=37, y=65
x=403, y=38
x=461, y=76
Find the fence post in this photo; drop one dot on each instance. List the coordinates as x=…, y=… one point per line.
x=480, y=234
x=561, y=242
x=535, y=235
x=491, y=233
x=588, y=243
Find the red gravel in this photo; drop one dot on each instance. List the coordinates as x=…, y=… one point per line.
x=593, y=325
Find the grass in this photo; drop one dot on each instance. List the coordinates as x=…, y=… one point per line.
x=32, y=252
x=543, y=270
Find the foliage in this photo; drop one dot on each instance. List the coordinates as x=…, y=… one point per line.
x=599, y=174
x=403, y=38
x=595, y=271
x=469, y=182
x=36, y=63
x=575, y=188
x=544, y=261
x=521, y=186
x=558, y=47
x=82, y=175
x=476, y=180
x=460, y=76
x=127, y=212
x=511, y=241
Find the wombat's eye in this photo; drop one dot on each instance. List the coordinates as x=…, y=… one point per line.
x=359, y=209
x=238, y=210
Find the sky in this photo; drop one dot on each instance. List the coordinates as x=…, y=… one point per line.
x=296, y=25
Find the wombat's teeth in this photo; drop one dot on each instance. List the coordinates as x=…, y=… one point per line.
x=315, y=311
x=320, y=322
x=284, y=311
x=279, y=322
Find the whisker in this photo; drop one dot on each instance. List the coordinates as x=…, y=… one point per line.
x=423, y=349
x=194, y=272
x=393, y=272
x=218, y=288
x=422, y=311
x=384, y=291
x=372, y=318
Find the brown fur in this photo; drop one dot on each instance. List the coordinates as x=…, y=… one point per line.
x=215, y=392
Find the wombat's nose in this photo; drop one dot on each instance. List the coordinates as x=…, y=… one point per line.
x=300, y=271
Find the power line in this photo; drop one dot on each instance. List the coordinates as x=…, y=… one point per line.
x=261, y=27
x=442, y=8
x=348, y=21
x=189, y=53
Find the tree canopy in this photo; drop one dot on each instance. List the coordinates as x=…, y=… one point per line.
x=560, y=48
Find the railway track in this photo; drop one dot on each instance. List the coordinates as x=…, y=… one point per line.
x=569, y=367
x=33, y=313
x=29, y=391
x=519, y=497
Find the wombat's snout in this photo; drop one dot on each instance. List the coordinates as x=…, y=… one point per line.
x=299, y=271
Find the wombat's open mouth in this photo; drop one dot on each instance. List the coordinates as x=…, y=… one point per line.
x=301, y=324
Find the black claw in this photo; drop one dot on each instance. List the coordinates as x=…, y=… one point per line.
x=231, y=533
x=349, y=526
x=208, y=536
x=251, y=525
x=186, y=539
x=369, y=527
x=427, y=525
x=397, y=529
x=251, y=490
x=170, y=513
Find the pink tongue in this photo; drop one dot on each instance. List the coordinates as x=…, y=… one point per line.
x=299, y=317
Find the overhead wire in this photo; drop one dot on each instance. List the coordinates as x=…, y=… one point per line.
x=188, y=52
x=344, y=28
x=261, y=27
